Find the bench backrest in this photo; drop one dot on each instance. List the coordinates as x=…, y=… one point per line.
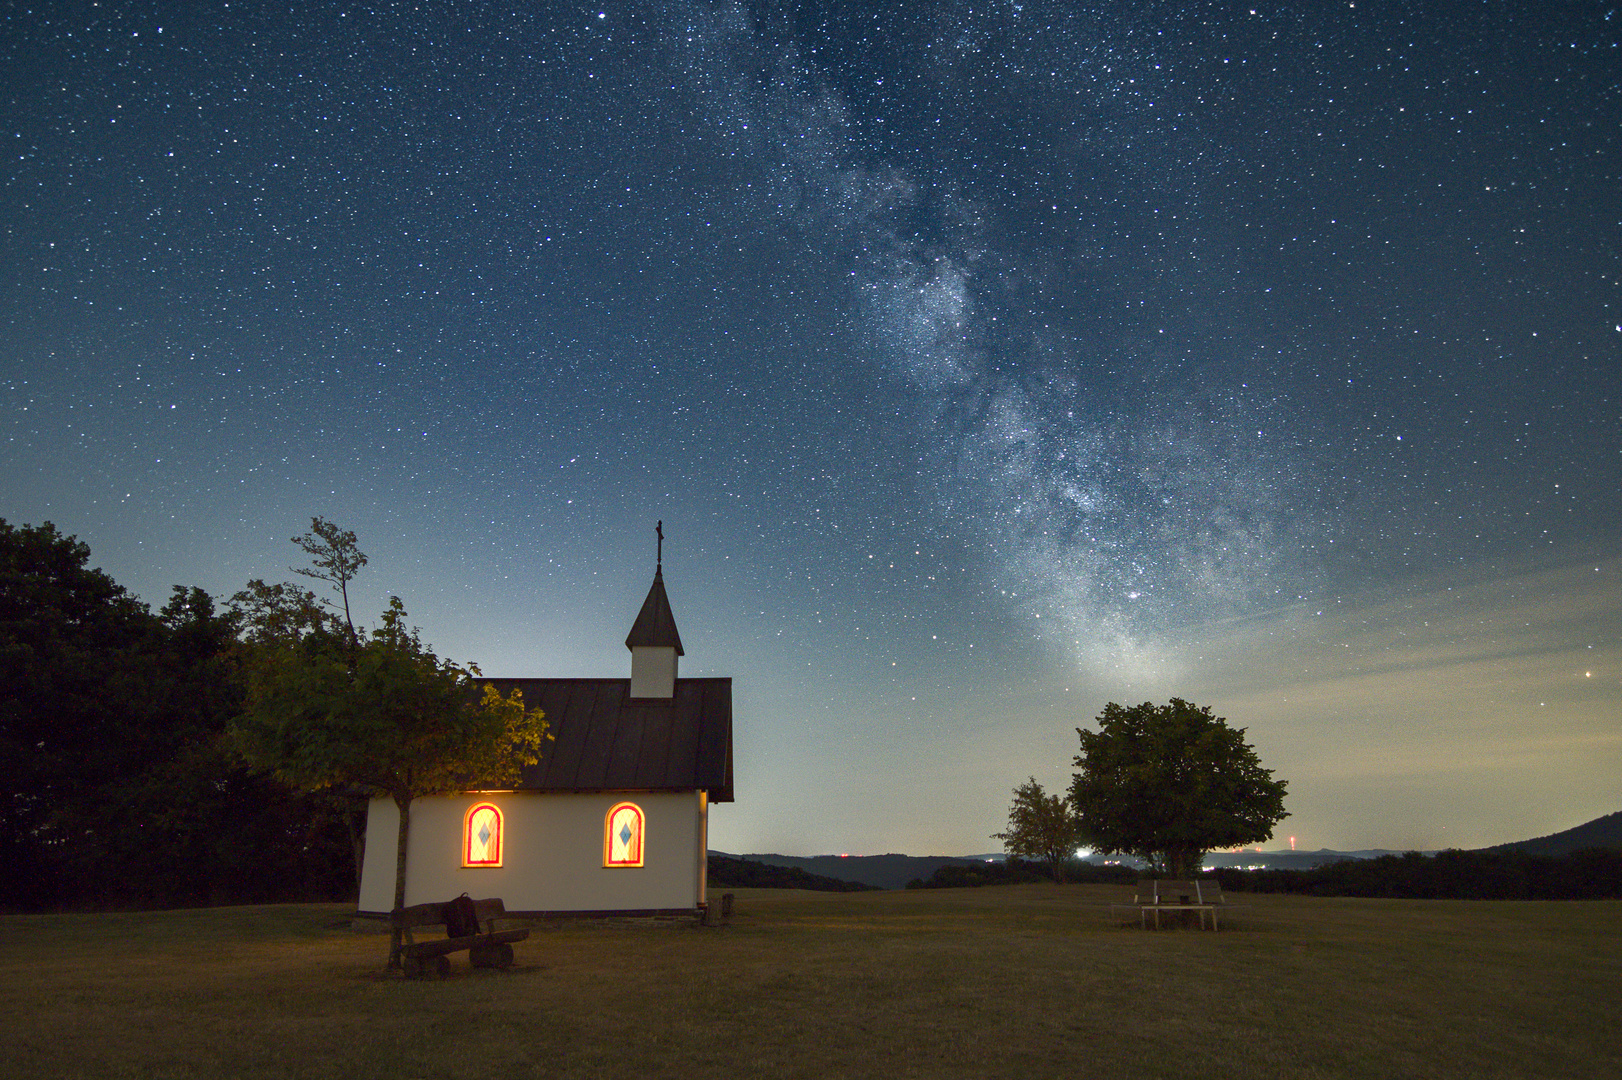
x=434, y=914
x=1167, y=892
x=1200, y=891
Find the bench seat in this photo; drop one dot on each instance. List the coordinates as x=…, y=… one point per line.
x=443, y=946
x=1157, y=896
x=489, y=949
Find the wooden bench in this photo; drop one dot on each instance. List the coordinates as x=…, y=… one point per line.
x=490, y=948
x=1201, y=897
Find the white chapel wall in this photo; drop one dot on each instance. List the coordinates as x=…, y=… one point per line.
x=552, y=857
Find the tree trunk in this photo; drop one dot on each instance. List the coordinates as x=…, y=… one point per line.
x=396, y=937
x=1183, y=863
x=355, y=823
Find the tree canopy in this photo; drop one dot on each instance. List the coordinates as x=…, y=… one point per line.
x=119, y=788
x=399, y=721
x=329, y=710
x=1040, y=826
x=1168, y=783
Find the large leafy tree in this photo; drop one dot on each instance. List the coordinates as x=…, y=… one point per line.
x=283, y=616
x=75, y=652
x=1168, y=783
x=118, y=790
x=1040, y=826
x=384, y=714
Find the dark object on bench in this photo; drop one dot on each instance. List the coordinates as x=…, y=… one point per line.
x=492, y=948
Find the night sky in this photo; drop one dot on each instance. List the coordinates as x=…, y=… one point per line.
x=985, y=362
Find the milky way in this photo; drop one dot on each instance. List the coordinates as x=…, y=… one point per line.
x=985, y=361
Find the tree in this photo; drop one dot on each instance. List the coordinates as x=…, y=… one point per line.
x=1040, y=826
x=282, y=612
x=76, y=651
x=287, y=616
x=335, y=557
x=387, y=716
x=1167, y=783
x=119, y=788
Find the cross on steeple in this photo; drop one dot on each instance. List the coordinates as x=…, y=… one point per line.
x=659, y=564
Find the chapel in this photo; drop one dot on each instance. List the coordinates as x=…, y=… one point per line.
x=614, y=818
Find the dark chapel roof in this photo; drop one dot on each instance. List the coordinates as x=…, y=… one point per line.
x=605, y=741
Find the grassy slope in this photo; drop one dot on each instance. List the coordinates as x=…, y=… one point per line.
x=1022, y=981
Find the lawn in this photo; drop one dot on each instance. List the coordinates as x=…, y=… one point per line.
x=1019, y=981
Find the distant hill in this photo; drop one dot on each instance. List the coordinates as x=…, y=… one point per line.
x=883, y=871
x=1290, y=860
x=894, y=871
x=725, y=870
x=1602, y=832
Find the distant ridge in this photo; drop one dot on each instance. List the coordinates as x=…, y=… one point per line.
x=1292, y=860
x=884, y=871
x=726, y=870
x=1602, y=832
x=894, y=871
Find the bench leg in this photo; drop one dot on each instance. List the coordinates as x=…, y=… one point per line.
x=491, y=956
x=423, y=967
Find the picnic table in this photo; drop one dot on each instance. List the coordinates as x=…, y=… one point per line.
x=1202, y=897
x=486, y=948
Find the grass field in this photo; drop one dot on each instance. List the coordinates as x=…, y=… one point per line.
x=1021, y=981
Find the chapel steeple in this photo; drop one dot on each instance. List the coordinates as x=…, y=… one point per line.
x=654, y=641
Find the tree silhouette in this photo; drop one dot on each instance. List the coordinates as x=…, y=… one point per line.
x=1040, y=826
x=1167, y=783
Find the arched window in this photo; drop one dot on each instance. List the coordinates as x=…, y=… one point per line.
x=622, y=836
x=481, y=836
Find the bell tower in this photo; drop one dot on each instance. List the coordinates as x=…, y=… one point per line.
x=654, y=641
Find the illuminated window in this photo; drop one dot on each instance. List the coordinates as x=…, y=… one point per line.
x=622, y=836
x=481, y=836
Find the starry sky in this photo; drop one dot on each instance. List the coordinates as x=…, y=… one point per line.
x=985, y=361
